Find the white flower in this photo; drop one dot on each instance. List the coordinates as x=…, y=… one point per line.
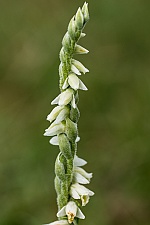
x=54, y=113
x=80, y=50
x=74, y=83
x=72, y=211
x=80, y=175
x=78, y=161
x=59, y=222
x=78, y=191
x=55, y=129
x=75, y=70
x=65, y=98
x=79, y=66
x=54, y=140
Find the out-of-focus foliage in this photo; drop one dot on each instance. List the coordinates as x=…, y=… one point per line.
x=115, y=112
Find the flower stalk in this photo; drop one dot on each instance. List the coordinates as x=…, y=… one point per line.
x=70, y=177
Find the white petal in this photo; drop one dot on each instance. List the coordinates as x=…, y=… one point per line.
x=73, y=102
x=75, y=70
x=54, y=113
x=82, y=86
x=85, y=199
x=80, y=215
x=80, y=179
x=56, y=100
x=59, y=222
x=54, y=129
x=82, y=35
x=80, y=50
x=74, y=193
x=73, y=81
x=66, y=97
x=71, y=207
x=78, y=161
x=54, y=140
x=62, y=212
x=65, y=85
x=83, y=173
x=80, y=66
x=62, y=115
x=78, y=139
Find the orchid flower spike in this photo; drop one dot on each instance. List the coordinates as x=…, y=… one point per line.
x=63, y=128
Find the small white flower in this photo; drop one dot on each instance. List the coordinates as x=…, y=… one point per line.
x=78, y=161
x=79, y=66
x=54, y=113
x=55, y=129
x=82, y=35
x=80, y=175
x=72, y=211
x=79, y=19
x=80, y=50
x=54, y=140
x=83, y=172
x=59, y=222
x=75, y=70
x=64, y=98
x=78, y=191
x=74, y=82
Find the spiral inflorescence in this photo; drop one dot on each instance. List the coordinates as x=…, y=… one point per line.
x=70, y=177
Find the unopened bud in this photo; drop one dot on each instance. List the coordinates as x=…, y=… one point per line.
x=79, y=19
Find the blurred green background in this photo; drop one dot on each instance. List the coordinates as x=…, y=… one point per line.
x=115, y=113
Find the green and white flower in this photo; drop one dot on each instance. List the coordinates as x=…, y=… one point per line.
x=78, y=191
x=72, y=211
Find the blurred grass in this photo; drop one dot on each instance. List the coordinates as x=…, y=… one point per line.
x=114, y=124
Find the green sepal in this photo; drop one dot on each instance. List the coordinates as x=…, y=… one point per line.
x=74, y=114
x=60, y=169
x=64, y=146
x=71, y=130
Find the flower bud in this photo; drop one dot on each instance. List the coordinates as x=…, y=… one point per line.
x=79, y=19
x=66, y=42
x=85, y=12
x=62, y=55
x=71, y=28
